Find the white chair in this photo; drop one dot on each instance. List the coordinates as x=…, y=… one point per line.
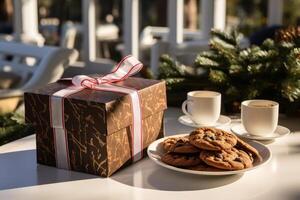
x=37, y=66
x=104, y=33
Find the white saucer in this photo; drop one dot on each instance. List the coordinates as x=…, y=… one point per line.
x=186, y=120
x=279, y=132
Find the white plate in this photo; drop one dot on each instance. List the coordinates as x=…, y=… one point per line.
x=222, y=121
x=155, y=151
x=279, y=132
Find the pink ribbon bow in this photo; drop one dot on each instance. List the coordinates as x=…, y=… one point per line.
x=127, y=67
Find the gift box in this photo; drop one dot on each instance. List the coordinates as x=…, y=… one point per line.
x=99, y=128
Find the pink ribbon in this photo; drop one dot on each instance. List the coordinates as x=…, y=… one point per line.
x=127, y=67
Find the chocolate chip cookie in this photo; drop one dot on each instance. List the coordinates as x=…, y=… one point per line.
x=212, y=139
x=179, y=145
x=181, y=160
x=202, y=166
x=248, y=149
x=227, y=159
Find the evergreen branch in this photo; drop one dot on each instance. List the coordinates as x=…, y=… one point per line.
x=232, y=38
x=168, y=67
x=255, y=55
x=12, y=127
x=293, y=62
x=286, y=45
x=291, y=89
x=211, y=55
x=205, y=62
x=255, y=68
x=223, y=49
x=268, y=44
x=236, y=69
x=217, y=76
x=209, y=59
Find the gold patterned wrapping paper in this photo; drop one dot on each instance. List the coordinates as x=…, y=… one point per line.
x=97, y=123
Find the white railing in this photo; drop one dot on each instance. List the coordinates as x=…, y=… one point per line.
x=131, y=27
x=26, y=22
x=175, y=21
x=213, y=15
x=89, y=30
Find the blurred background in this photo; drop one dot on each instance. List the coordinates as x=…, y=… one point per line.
x=55, y=16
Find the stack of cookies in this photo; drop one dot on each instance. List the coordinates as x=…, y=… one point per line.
x=209, y=149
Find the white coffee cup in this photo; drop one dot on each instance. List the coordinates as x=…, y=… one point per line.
x=260, y=117
x=203, y=107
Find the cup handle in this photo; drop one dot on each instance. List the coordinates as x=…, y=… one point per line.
x=184, y=110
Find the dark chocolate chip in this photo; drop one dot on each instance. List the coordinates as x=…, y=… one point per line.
x=219, y=156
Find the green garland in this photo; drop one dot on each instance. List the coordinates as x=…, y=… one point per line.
x=12, y=127
x=269, y=71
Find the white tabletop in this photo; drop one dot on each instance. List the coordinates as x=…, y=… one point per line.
x=22, y=178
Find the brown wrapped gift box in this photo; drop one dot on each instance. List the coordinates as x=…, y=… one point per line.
x=97, y=123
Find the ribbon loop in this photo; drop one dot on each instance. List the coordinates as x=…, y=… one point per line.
x=84, y=81
x=128, y=66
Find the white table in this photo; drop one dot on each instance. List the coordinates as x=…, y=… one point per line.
x=22, y=178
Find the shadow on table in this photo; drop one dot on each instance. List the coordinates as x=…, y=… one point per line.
x=172, y=126
x=146, y=174
x=19, y=169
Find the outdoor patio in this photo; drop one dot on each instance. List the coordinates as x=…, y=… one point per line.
x=89, y=89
